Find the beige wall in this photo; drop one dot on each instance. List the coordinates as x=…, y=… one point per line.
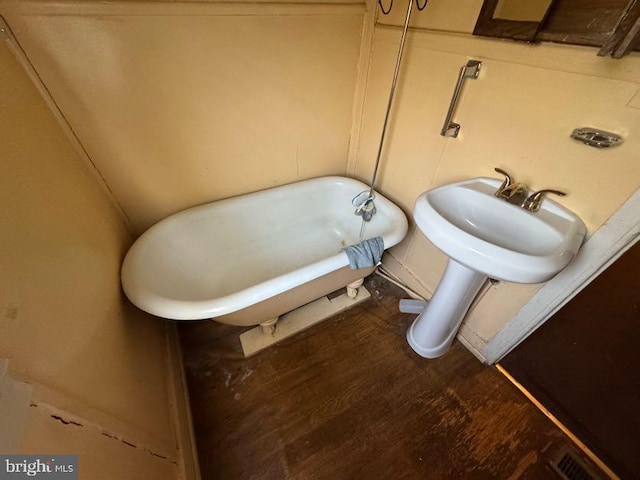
x=522, y=10
x=518, y=115
x=89, y=356
x=175, y=104
x=180, y=105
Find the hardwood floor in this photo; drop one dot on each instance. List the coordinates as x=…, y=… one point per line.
x=349, y=399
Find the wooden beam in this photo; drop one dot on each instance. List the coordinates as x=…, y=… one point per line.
x=621, y=40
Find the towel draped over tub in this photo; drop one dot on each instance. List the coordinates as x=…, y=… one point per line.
x=365, y=254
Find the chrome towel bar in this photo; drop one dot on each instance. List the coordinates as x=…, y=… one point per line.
x=471, y=70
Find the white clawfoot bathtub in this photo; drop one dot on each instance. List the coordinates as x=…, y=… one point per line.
x=248, y=259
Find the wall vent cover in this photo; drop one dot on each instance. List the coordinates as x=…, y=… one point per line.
x=570, y=467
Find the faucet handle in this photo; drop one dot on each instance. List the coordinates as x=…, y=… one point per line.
x=507, y=177
x=505, y=183
x=532, y=203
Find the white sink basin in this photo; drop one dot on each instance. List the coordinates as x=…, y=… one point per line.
x=489, y=235
x=485, y=236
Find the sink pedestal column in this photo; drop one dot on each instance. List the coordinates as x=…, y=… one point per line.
x=432, y=333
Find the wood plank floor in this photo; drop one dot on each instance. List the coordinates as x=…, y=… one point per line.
x=349, y=399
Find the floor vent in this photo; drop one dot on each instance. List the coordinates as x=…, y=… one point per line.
x=570, y=467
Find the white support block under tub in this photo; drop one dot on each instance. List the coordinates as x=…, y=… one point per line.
x=297, y=320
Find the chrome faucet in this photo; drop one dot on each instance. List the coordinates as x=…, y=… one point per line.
x=518, y=193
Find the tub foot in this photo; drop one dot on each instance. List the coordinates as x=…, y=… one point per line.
x=269, y=327
x=352, y=288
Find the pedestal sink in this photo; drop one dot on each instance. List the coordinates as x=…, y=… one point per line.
x=485, y=237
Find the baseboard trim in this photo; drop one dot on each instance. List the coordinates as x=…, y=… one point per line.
x=462, y=338
x=181, y=409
